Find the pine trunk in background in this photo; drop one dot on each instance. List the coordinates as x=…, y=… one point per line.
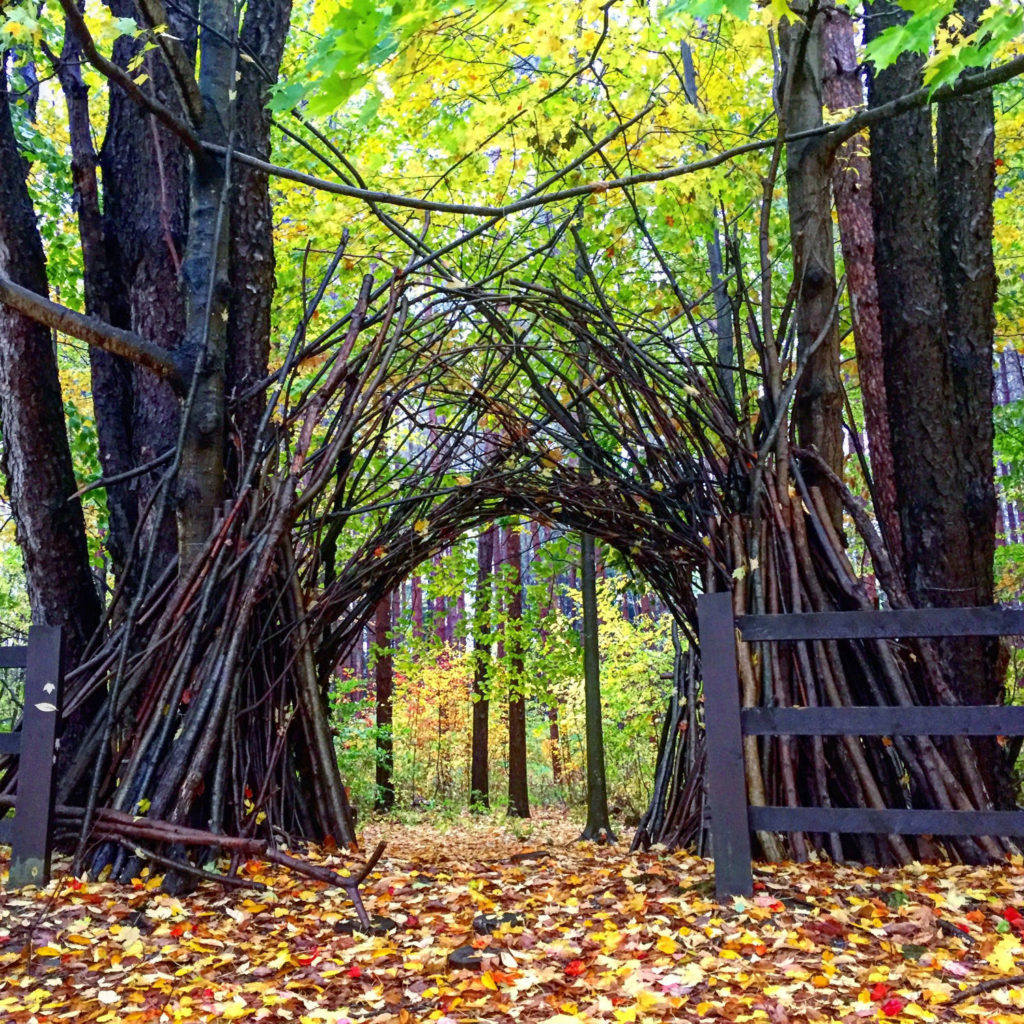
x=554, y=737
x=518, y=792
x=479, y=785
x=851, y=183
x=416, y=606
x=598, y=826
x=384, y=680
x=818, y=407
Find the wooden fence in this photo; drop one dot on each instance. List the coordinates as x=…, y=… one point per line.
x=732, y=819
x=29, y=832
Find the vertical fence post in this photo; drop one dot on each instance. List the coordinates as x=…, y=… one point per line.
x=33, y=815
x=727, y=784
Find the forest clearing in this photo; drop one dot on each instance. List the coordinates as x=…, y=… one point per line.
x=521, y=461
x=597, y=935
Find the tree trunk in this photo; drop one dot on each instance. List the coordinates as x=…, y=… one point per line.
x=479, y=785
x=145, y=174
x=111, y=375
x=518, y=793
x=965, y=184
x=200, y=483
x=818, y=408
x=598, y=826
x=36, y=456
x=384, y=680
x=941, y=482
x=252, y=278
x=851, y=182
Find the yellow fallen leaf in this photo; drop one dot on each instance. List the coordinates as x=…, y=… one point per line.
x=666, y=944
x=1005, y=955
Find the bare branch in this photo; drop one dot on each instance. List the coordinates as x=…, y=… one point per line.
x=110, y=70
x=92, y=331
x=837, y=134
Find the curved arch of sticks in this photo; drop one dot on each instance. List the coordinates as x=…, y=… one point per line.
x=427, y=410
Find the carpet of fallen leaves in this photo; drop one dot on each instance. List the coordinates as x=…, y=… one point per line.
x=580, y=933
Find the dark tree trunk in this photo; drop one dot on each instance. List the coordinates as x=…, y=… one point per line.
x=205, y=272
x=384, y=680
x=555, y=739
x=851, y=182
x=518, y=792
x=965, y=184
x=941, y=481
x=36, y=457
x=252, y=277
x=818, y=407
x=479, y=785
x=111, y=375
x=598, y=826
x=145, y=173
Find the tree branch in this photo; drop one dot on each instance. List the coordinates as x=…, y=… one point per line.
x=93, y=331
x=111, y=71
x=965, y=86
x=836, y=133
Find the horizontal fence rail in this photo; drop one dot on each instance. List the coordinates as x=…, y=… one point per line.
x=732, y=819
x=29, y=832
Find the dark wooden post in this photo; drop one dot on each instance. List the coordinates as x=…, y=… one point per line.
x=30, y=851
x=727, y=784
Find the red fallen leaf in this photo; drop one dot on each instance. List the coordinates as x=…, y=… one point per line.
x=177, y=931
x=879, y=992
x=1012, y=915
x=207, y=993
x=574, y=968
x=354, y=971
x=893, y=1007
x=75, y=884
x=412, y=921
x=307, y=958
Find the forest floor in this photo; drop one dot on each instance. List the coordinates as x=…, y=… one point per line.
x=600, y=935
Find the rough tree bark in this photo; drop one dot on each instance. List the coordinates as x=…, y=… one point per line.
x=851, y=183
x=965, y=185
x=145, y=173
x=943, y=480
x=251, y=275
x=36, y=455
x=818, y=407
